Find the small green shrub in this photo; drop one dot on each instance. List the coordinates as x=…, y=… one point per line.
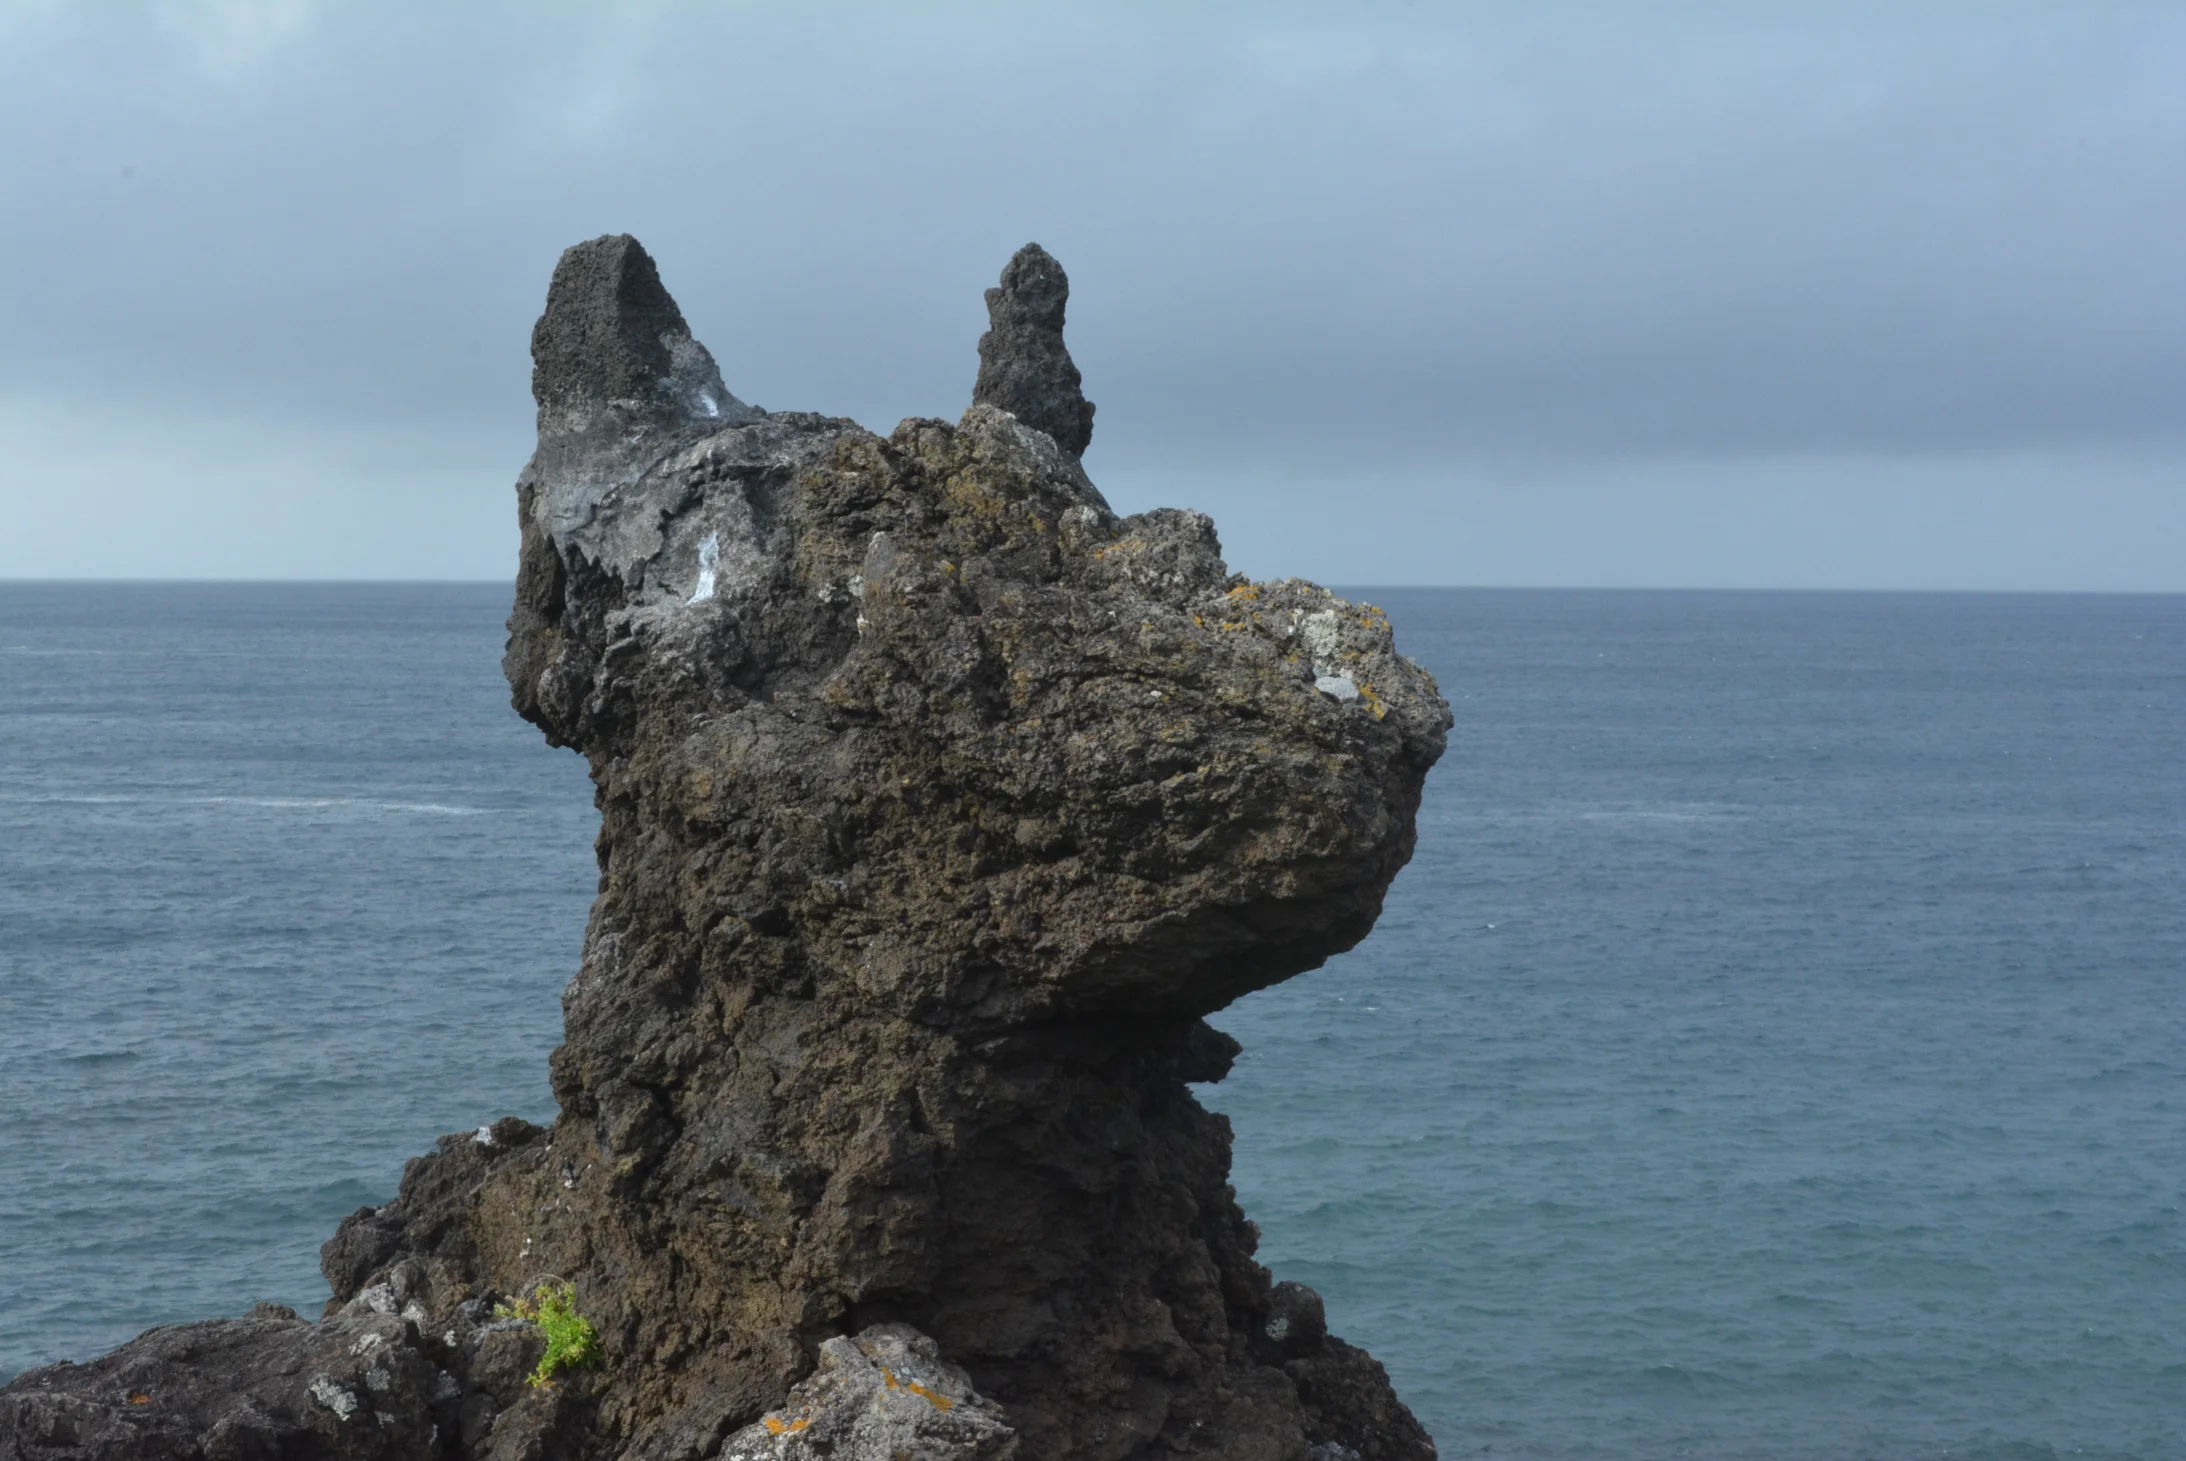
x=572, y=1342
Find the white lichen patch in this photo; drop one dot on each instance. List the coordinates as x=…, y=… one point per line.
x=1323, y=638
x=333, y=1397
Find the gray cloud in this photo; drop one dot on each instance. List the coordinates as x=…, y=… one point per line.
x=1396, y=240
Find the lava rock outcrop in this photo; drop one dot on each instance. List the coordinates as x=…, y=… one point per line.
x=938, y=804
x=1024, y=367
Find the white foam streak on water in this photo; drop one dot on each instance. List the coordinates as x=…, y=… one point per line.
x=268, y=803
x=33, y=650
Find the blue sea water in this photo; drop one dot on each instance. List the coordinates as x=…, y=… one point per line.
x=1773, y=1051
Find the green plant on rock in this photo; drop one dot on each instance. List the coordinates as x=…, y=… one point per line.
x=572, y=1342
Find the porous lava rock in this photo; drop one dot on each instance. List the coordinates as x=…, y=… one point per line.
x=938, y=805
x=366, y=1383
x=1024, y=367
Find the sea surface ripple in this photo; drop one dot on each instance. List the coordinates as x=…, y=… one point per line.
x=1773, y=1051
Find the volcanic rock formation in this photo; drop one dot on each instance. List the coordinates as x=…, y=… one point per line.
x=938, y=805
x=1024, y=367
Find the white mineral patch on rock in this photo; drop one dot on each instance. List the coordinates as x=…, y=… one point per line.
x=1336, y=686
x=709, y=563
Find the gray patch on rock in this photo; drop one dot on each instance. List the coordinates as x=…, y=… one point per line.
x=379, y=1298
x=619, y=380
x=886, y=1395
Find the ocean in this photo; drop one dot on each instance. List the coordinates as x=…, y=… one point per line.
x=1774, y=1049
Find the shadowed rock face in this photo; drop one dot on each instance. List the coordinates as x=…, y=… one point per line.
x=938, y=803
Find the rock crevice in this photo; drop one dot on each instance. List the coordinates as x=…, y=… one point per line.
x=939, y=803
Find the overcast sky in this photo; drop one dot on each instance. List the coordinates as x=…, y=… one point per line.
x=1816, y=295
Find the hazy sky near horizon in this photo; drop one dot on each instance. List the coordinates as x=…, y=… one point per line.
x=1771, y=295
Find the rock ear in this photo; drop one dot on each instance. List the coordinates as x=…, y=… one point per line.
x=1024, y=367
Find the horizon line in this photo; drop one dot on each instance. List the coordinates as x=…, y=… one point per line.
x=10, y=580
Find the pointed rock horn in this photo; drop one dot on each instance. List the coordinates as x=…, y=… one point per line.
x=607, y=329
x=1024, y=367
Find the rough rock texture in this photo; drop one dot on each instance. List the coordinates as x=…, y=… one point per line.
x=885, y=1396
x=1024, y=368
x=365, y=1384
x=938, y=805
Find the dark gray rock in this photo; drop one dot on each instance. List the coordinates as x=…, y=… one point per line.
x=1345, y=1398
x=357, y=1388
x=938, y=805
x=1297, y=1321
x=1024, y=367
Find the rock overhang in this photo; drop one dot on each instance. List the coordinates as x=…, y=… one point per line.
x=1002, y=696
